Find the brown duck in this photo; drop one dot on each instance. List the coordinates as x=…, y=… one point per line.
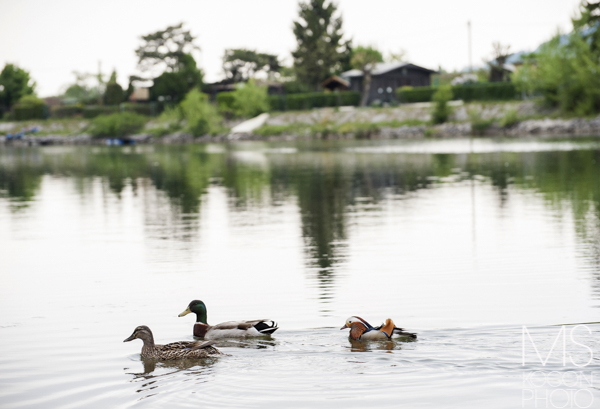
x=174, y=350
x=362, y=330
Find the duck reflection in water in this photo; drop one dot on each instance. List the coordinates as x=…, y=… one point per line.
x=363, y=346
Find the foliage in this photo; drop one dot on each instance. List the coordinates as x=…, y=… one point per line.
x=116, y=125
x=364, y=59
x=250, y=100
x=173, y=86
x=15, y=82
x=497, y=70
x=92, y=111
x=479, y=91
x=567, y=75
x=510, y=118
x=113, y=95
x=66, y=111
x=164, y=50
x=321, y=51
x=312, y=100
x=30, y=107
x=441, y=110
x=478, y=124
x=588, y=24
x=200, y=115
x=242, y=64
x=85, y=89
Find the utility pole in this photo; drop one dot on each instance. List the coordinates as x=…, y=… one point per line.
x=470, y=61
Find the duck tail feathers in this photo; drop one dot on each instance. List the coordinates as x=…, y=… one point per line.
x=266, y=327
x=402, y=333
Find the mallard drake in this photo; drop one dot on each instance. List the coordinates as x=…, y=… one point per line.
x=362, y=330
x=174, y=350
x=229, y=329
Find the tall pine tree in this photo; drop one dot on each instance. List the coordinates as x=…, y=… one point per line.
x=321, y=51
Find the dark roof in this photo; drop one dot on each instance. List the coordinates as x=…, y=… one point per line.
x=385, y=67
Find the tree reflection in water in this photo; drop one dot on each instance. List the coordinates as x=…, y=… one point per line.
x=327, y=186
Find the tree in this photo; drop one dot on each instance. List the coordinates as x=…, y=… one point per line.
x=165, y=49
x=399, y=56
x=15, y=82
x=588, y=23
x=166, y=56
x=321, y=49
x=114, y=92
x=497, y=71
x=173, y=86
x=242, y=64
x=250, y=100
x=365, y=59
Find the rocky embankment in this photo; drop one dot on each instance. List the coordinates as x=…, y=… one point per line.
x=479, y=119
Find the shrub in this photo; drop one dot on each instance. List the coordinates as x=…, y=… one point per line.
x=510, y=118
x=478, y=124
x=116, y=125
x=249, y=100
x=201, y=116
x=310, y=100
x=441, y=109
x=478, y=91
x=92, y=111
x=419, y=94
x=225, y=101
x=66, y=111
x=30, y=107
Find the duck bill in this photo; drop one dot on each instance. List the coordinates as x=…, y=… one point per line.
x=345, y=326
x=186, y=312
x=131, y=338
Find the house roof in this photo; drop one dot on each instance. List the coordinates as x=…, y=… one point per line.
x=382, y=68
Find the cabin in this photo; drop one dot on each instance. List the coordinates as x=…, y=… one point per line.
x=387, y=77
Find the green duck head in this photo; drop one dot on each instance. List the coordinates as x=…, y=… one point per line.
x=198, y=308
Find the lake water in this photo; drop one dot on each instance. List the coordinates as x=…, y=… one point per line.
x=485, y=248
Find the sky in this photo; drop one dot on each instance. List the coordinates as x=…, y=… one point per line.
x=51, y=39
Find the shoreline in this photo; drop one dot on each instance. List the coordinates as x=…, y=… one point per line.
x=408, y=121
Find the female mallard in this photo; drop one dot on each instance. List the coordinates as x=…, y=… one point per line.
x=362, y=330
x=174, y=350
x=229, y=329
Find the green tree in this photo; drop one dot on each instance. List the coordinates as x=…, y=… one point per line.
x=173, y=86
x=242, y=64
x=114, y=92
x=321, y=50
x=165, y=50
x=365, y=59
x=250, y=100
x=200, y=115
x=15, y=82
x=166, y=56
x=441, y=109
x=588, y=23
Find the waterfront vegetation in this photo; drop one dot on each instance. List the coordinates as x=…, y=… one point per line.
x=561, y=75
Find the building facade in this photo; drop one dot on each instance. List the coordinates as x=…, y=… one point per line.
x=387, y=77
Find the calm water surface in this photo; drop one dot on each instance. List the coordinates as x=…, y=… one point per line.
x=462, y=241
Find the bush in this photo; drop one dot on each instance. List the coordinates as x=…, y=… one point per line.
x=510, y=118
x=149, y=109
x=296, y=102
x=66, y=111
x=92, y=111
x=116, y=125
x=478, y=124
x=441, y=109
x=478, y=91
x=249, y=100
x=30, y=107
x=225, y=102
x=419, y=94
x=201, y=116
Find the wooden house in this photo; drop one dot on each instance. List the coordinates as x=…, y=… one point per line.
x=387, y=77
